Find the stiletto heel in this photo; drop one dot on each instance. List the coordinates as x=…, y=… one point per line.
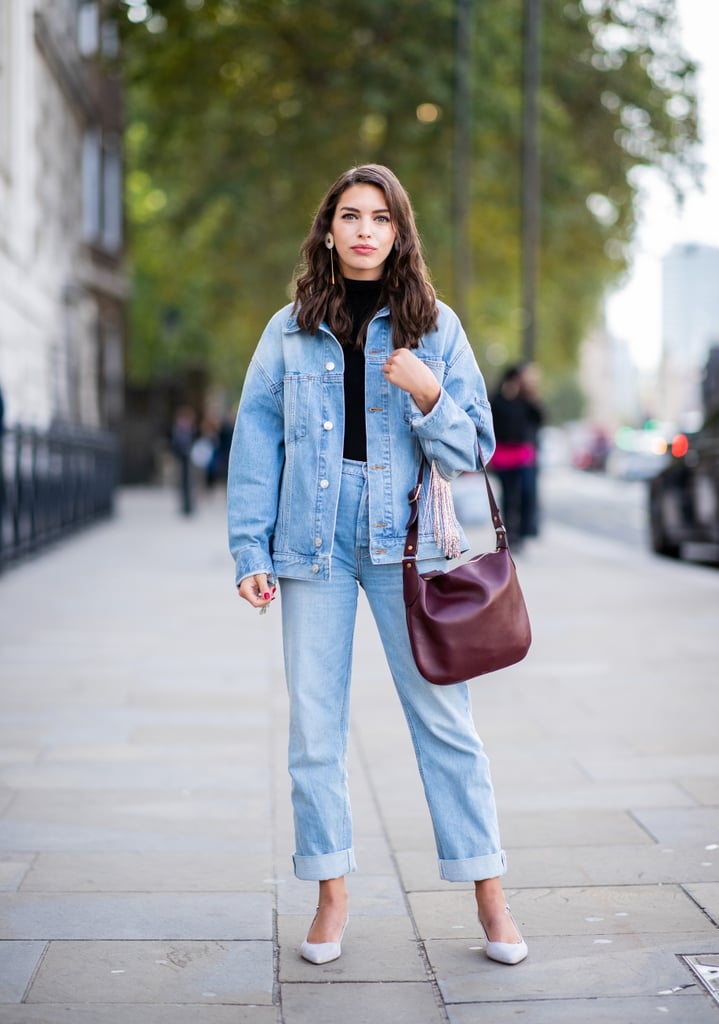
x=506, y=952
x=323, y=952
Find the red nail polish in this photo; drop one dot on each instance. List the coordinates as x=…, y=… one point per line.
x=266, y=596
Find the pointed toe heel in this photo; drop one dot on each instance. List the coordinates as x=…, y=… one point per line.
x=507, y=952
x=323, y=952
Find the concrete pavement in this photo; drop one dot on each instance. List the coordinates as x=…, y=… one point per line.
x=145, y=825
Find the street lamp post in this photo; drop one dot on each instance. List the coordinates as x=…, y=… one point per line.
x=530, y=176
x=462, y=159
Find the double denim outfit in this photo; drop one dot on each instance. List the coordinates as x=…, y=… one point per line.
x=322, y=525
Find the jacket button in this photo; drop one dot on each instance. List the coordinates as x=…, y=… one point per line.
x=318, y=542
x=328, y=424
x=315, y=567
x=324, y=483
x=329, y=366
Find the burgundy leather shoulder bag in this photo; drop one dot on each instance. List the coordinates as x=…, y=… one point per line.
x=470, y=620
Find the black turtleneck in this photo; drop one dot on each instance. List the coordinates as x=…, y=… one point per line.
x=362, y=300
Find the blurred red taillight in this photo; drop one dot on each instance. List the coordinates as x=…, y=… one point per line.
x=680, y=446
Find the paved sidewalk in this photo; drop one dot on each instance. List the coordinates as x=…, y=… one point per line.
x=145, y=826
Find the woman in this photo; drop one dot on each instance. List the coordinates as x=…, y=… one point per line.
x=516, y=425
x=363, y=375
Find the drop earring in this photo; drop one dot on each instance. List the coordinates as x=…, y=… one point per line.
x=330, y=243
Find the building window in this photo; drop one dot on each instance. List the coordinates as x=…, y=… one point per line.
x=88, y=28
x=102, y=190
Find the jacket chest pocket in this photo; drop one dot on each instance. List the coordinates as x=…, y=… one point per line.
x=297, y=397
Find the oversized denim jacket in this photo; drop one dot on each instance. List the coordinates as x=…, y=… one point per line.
x=286, y=457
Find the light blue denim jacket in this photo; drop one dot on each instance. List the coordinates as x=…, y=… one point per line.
x=286, y=458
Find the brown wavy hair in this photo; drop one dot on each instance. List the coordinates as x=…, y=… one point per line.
x=406, y=287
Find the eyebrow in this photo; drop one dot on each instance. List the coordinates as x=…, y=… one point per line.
x=354, y=209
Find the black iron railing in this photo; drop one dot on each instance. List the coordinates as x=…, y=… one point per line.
x=51, y=484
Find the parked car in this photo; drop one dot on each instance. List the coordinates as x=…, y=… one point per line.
x=684, y=496
x=639, y=454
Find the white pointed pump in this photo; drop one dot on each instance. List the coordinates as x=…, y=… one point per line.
x=506, y=952
x=323, y=952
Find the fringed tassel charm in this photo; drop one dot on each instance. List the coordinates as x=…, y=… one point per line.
x=446, y=527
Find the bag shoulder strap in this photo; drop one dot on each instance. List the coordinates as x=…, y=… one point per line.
x=410, y=545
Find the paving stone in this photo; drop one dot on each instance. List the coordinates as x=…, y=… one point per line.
x=411, y=832
x=11, y=753
x=360, y=1004
x=112, y=775
x=374, y=855
x=173, y=812
x=627, y=865
x=566, y=911
x=666, y=766
x=136, y=916
x=679, y=825
x=138, y=1013
x=374, y=949
x=418, y=870
x=639, y=1010
x=146, y=871
x=704, y=791
x=155, y=972
x=133, y=750
x=370, y=895
x=18, y=960
x=706, y=894
x=605, y=796
x=576, y=827
x=12, y=873
x=43, y=836
x=626, y=974
x=577, y=865
x=459, y=957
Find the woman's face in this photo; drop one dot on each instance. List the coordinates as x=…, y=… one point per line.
x=363, y=232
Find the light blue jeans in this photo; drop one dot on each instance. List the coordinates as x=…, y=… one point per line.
x=318, y=619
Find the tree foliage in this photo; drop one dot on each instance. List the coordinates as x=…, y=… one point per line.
x=242, y=112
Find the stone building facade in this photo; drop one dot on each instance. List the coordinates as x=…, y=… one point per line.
x=63, y=288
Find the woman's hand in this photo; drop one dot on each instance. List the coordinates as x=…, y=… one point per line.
x=257, y=590
x=407, y=372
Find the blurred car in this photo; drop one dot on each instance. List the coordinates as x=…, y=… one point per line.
x=589, y=445
x=639, y=454
x=684, y=496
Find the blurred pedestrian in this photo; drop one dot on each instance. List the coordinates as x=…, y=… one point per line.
x=184, y=431
x=529, y=393
x=350, y=386
x=515, y=455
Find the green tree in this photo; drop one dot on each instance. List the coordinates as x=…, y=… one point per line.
x=241, y=113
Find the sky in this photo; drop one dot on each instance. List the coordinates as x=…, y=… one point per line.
x=634, y=310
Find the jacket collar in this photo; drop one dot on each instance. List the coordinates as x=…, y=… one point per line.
x=292, y=326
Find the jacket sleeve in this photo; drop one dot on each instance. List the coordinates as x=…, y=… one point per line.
x=461, y=419
x=255, y=469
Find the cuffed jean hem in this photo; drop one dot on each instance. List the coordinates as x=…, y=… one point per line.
x=324, y=865
x=473, y=869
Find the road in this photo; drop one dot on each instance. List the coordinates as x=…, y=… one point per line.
x=597, y=503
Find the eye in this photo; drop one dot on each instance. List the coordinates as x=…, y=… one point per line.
x=349, y=216
x=382, y=218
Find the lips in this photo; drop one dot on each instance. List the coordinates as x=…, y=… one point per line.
x=363, y=250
